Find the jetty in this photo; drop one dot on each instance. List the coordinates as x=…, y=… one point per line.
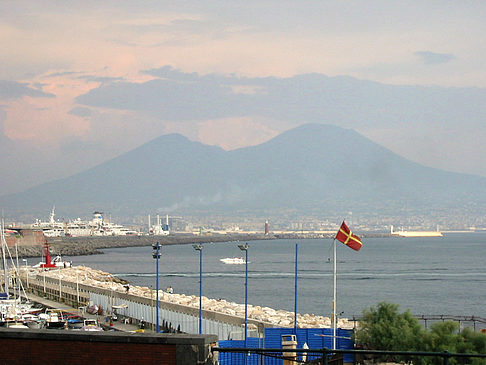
x=86, y=290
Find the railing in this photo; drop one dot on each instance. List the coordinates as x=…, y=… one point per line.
x=295, y=355
x=475, y=322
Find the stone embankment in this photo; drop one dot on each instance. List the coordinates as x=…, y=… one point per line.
x=280, y=318
x=75, y=246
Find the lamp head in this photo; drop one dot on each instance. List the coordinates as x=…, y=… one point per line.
x=156, y=246
x=198, y=247
x=243, y=247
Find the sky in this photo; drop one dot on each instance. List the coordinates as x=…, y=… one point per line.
x=82, y=82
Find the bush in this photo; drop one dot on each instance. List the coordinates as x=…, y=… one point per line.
x=384, y=328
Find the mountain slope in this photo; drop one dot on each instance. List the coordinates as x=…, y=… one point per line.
x=312, y=168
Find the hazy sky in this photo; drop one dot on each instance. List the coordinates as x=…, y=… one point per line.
x=81, y=82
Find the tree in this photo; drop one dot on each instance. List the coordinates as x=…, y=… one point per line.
x=445, y=336
x=384, y=328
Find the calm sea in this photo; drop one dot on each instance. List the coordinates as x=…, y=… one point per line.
x=444, y=275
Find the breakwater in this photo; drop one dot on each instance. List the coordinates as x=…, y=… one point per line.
x=77, y=246
x=81, y=286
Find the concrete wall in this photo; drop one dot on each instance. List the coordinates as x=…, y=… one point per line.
x=71, y=347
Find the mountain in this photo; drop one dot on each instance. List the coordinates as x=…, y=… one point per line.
x=313, y=168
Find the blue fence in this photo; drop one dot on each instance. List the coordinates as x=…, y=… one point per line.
x=315, y=338
x=228, y=358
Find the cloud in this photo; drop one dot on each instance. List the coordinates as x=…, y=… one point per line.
x=168, y=72
x=2, y=119
x=75, y=145
x=345, y=101
x=15, y=90
x=81, y=112
x=432, y=58
x=62, y=73
x=100, y=79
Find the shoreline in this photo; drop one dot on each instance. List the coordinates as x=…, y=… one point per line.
x=80, y=246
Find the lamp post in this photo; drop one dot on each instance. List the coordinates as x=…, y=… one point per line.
x=200, y=249
x=156, y=255
x=245, y=248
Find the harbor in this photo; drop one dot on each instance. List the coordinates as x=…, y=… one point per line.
x=111, y=301
x=80, y=288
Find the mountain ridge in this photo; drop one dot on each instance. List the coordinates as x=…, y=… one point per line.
x=312, y=168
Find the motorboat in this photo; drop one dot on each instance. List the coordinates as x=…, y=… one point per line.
x=53, y=318
x=233, y=260
x=91, y=325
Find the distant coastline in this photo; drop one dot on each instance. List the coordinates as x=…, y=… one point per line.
x=76, y=246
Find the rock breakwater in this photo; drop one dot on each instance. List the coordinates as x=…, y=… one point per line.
x=76, y=246
x=280, y=318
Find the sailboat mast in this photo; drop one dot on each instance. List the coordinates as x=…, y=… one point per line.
x=4, y=259
x=334, y=319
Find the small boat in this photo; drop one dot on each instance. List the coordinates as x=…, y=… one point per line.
x=91, y=325
x=53, y=318
x=16, y=325
x=233, y=260
x=75, y=322
x=32, y=321
x=35, y=325
x=51, y=263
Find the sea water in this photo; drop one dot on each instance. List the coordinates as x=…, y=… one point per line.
x=428, y=275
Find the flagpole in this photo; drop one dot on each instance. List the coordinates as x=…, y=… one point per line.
x=295, y=291
x=345, y=236
x=334, y=319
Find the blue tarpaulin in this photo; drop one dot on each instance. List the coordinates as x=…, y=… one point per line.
x=316, y=338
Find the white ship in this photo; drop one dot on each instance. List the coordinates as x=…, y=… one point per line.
x=50, y=228
x=403, y=233
x=79, y=228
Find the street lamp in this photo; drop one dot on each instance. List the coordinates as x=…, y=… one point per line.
x=200, y=249
x=156, y=255
x=245, y=248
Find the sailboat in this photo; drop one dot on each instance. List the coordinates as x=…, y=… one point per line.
x=11, y=306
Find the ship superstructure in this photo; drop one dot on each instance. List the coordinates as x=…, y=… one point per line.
x=97, y=226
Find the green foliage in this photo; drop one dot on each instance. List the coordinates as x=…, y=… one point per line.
x=384, y=328
x=445, y=336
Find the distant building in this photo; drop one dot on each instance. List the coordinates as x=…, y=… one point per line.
x=267, y=227
x=21, y=237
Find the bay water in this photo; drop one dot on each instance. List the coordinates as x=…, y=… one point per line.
x=428, y=275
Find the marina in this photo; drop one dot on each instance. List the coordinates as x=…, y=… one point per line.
x=269, y=270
